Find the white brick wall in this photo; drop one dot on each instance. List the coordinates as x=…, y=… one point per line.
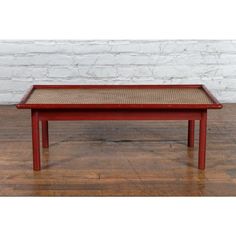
x=23, y=63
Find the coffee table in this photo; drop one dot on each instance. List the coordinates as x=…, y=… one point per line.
x=118, y=102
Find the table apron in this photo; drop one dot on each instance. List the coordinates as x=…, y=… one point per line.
x=119, y=114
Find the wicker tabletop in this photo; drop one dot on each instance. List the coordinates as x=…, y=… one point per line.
x=119, y=96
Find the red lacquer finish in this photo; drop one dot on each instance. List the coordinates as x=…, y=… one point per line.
x=119, y=115
x=202, y=140
x=191, y=126
x=35, y=140
x=189, y=112
x=45, y=140
x=214, y=105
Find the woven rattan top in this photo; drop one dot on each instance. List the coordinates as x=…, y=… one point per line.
x=119, y=96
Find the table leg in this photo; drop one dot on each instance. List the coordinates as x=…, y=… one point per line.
x=35, y=140
x=191, y=124
x=45, y=134
x=202, y=141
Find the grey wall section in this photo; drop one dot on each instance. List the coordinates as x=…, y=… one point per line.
x=23, y=63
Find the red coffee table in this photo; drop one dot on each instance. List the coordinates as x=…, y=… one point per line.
x=118, y=102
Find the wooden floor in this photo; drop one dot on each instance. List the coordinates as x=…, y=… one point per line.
x=117, y=158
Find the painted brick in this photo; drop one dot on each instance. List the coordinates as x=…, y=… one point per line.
x=36, y=60
x=134, y=71
x=209, y=62
x=90, y=48
x=22, y=72
x=97, y=71
x=58, y=72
